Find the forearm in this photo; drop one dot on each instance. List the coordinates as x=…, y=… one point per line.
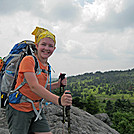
x=38, y=89
x=45, y=94
x=57, y=84
x=53, y=85
x=66, y=99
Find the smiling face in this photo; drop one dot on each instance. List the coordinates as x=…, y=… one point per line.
x=45, y=49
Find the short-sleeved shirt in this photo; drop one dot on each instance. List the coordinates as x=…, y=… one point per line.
x=28, y=65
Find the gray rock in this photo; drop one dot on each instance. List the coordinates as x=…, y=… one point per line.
x=4, y=131
x=3, y=123
x=104, y=117
x=81, y=122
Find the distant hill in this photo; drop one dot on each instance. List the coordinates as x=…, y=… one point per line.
x=106, y=83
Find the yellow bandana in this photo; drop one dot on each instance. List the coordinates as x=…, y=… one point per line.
x=41, y=33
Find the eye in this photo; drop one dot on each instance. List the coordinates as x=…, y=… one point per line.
x=44, y=44
x=50, y=45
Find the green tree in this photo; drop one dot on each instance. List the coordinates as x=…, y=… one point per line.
x=122, y=105
x=92, y=105
x=123, y=122
x=77, y=102
x=109, y=108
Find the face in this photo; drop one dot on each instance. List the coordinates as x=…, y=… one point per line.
x=45, y=48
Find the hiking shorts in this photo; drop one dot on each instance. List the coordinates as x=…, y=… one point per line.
x=23, y=122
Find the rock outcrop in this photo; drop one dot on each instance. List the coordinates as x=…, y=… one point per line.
x=81, y=122
x=104, y=117
x=3, y=123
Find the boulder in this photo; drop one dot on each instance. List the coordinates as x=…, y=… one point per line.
x=104, y=117
x=81, y=122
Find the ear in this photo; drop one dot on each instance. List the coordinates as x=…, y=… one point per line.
x=54, y=48
x=36, y=46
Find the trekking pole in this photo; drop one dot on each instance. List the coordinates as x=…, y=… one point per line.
x=62, y=76
x=68, y=115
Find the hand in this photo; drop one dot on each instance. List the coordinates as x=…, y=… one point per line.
x=66, y=99
x=63, y=82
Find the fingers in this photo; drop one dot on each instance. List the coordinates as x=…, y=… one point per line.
x=64, y=81
x=66, y=99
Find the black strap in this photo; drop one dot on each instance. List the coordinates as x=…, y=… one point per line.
x=16, y=73
x=36, y=63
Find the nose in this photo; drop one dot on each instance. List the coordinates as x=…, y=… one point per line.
x=46, y=47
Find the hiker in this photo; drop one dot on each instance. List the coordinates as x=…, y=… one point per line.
x=21, y=117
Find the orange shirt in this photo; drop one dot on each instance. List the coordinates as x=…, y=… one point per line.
x=28, y=65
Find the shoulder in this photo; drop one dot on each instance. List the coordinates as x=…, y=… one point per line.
x=27, y=64
x=28, y=58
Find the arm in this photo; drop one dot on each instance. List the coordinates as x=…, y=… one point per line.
x=38, y=89
x=57, y=84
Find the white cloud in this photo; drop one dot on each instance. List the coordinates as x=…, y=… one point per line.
x=100, y=9
x=91, y=34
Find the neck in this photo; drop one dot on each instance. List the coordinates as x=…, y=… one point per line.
x=43, y=61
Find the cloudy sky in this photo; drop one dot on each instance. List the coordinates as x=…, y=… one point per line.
x=91, y=35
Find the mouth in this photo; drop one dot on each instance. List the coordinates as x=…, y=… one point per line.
x=45, y=52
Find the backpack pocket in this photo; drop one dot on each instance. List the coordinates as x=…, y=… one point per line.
x=7, y=80
x=8, y=77
x=15, y=97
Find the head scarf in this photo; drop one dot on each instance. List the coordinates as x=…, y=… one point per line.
x=41, y=33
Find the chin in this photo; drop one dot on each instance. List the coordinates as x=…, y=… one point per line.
x=45, y=57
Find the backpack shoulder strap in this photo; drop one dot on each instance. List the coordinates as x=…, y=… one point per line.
x=36, y=63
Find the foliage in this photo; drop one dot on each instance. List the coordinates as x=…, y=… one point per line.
x=107, y=83
x=124, y=122
x=91, y=105
x=111, y=92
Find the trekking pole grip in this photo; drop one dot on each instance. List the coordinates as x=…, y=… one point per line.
x=62, y=76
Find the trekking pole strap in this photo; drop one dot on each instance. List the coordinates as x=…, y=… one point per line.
x=68, y=107
x=59, y=101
